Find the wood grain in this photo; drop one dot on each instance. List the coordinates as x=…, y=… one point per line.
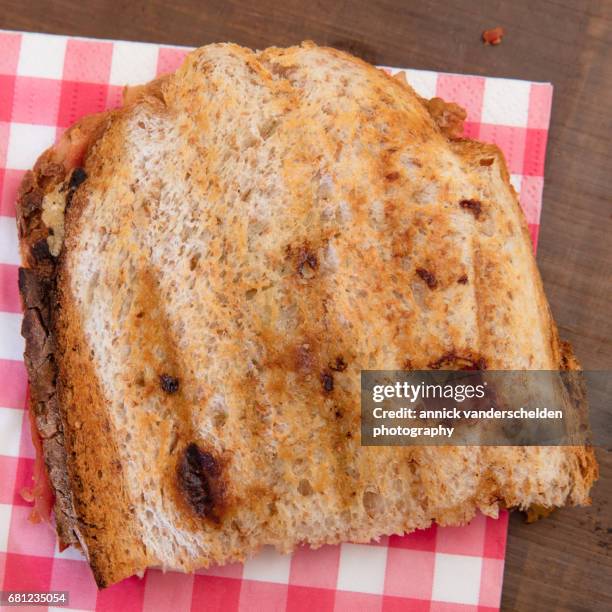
x=564, y=562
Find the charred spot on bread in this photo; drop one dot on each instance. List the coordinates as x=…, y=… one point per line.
x=327, y=380
x=77, y=177
x=338, y=364
x=40, y=250
x=473, y=206
x=463, y=279
x=169, y=384
x=428, y=277
x=200, y=482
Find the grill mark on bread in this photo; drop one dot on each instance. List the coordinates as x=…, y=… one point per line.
x=340, y=436
x=478, y=285
x=311, y=356
x=154, y=345
x=305, y=361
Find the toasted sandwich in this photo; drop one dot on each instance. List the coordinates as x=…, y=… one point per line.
x=208, y=269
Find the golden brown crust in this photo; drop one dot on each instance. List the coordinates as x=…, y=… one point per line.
x=37, y=297
x=56, y=363
x=37, y=289
x=105, y=523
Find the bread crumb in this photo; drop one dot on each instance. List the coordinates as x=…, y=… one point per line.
x=493, y=36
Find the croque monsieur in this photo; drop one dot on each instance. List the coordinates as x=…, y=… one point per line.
x=206, y=271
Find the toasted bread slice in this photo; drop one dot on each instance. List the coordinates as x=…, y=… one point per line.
x=208, y=269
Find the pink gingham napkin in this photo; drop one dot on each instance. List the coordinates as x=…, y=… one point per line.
x=48, y=82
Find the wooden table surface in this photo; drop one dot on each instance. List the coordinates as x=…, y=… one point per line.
x=564, y=562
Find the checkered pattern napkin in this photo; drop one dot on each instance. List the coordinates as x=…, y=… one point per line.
x=48, y=82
